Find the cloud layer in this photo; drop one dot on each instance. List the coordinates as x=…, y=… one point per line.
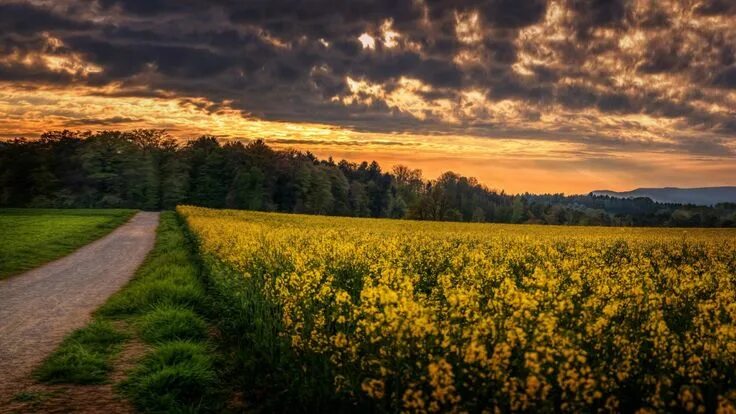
x=606, y=76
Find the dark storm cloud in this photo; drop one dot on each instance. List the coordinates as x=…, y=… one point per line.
x=616, y=102
x=576, y=97
x=321, y=18
x=37, y=71
x=597, y=13
x=290, y=60
x=500, y=50
x=513, y=13
x=24, y=18
x=726, y=78
x=383, y=67
x=715, y=7
x=153, y=7
x=121, y=60
x=499, y=13
x=665, y=55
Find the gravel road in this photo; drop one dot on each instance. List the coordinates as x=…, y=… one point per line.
x=38, y=308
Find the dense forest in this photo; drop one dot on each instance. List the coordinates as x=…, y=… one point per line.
x=148, y=169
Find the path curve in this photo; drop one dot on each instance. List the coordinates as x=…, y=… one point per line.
x=39, y=307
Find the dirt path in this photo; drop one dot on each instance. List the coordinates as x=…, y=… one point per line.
x=38, y=308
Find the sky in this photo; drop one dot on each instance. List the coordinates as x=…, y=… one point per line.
x=526, y=95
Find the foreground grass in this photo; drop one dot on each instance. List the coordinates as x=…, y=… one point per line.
x=31, y=237
x=84, y=356
x=162, y=306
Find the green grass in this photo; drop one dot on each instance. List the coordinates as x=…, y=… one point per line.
x=33, y=396
x=34, y=399
x=146, y=295
x=31, y=237
x=163, y=306
x=169, y=323
x=178, y=376
x=84, y=357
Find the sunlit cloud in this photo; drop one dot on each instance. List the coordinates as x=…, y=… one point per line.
x=368, y=41
x=390, y=37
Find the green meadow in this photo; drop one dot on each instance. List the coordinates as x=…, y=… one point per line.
x=31, y=237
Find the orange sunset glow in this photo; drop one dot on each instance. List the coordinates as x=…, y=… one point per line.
x=532, y=96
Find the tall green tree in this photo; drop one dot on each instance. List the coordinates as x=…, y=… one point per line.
x=149, y=169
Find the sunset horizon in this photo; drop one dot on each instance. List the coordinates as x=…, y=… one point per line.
x=508, y=174
x=543, y=96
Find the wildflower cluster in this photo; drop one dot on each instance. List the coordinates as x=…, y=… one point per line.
x=452, y=317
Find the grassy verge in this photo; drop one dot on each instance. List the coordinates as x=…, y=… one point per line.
x=31, y=237
x=163, y=307
x=85, y=356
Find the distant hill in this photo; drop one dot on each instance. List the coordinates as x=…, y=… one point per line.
x=705, y=196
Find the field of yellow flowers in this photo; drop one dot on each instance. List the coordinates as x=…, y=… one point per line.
x=403, y=316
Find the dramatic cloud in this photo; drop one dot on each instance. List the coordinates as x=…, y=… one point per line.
x=603, y=79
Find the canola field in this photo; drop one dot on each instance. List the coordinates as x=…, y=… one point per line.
x=404, y=316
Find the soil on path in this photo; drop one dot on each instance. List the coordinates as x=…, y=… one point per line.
x=38, y=308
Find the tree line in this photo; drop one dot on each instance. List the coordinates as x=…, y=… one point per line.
x=148, y=169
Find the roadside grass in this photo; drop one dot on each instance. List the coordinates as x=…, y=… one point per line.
x=32, y=237
x=162, y=306
x=84, y=357
x=146, y=295
x=172, y=378
x=168, y=323
x=34, y=398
